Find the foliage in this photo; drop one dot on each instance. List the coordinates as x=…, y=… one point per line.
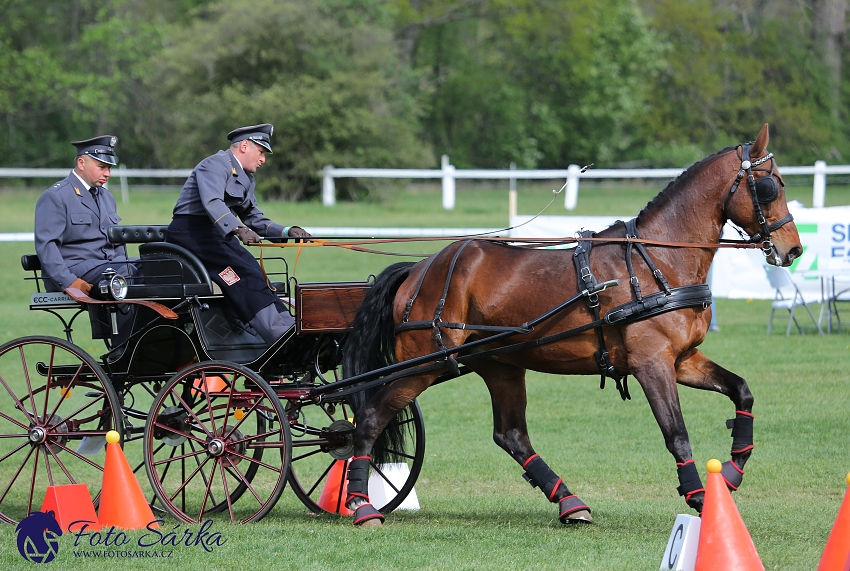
x=397, y=83
x=324, y=73
x=541, y=84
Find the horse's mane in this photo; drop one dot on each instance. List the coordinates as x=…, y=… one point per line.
x=665, y=196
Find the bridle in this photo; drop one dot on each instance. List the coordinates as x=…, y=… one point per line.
x=763, y=191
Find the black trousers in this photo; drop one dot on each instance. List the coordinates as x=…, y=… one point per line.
x=230, y=265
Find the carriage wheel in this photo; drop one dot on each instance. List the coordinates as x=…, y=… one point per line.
x=322, y=442
x=213, y=437
x=56, y=406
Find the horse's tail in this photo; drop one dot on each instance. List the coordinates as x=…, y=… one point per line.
x=370, y=345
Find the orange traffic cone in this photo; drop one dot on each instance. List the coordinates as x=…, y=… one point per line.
x=210, y=384
x=724, y=542
x=122, y=503
x=836, y=554
x=71, y=503
x=332, y=498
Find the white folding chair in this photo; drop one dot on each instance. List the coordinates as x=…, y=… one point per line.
x=788, y=296
x=839, y=293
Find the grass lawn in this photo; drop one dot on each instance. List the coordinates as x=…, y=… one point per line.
x=477, y=511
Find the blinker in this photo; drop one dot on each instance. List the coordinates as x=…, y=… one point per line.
x=767, y=189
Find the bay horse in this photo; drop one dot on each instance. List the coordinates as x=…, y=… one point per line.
x=475, y=289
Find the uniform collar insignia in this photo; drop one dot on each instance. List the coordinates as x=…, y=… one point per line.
x=77, y=190
x=234, y=171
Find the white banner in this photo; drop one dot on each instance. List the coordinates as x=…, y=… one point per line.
x=824, y=233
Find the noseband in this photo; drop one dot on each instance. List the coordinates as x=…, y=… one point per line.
x=763, y=191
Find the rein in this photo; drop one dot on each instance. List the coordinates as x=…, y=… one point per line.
x=354, y=244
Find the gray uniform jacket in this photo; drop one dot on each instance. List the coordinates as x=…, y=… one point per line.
x=70, y=230
x=222, y=190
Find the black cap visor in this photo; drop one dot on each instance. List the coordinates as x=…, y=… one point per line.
x=104, y=158
x=262, y=142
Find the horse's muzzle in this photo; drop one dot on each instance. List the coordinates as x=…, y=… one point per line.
x=774, y=258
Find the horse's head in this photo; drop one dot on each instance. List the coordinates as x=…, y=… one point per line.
x=759, y=205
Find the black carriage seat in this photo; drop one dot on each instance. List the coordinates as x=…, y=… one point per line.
x=168, y=270
x=172, y=271
x=30, y=262
x=136, y=234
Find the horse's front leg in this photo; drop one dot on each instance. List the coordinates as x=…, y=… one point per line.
x=696, y=370
x=657, y=378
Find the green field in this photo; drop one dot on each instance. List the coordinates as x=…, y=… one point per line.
x=477, y=511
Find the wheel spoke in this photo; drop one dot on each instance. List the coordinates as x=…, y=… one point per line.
x=13, y=421
x=32, y=480
x=203, y=476
x=79, y=456
x=68, y=388
x=15, y=450
x=47, y=382
x=27, y=374
x=321, y=478
x=191, y=412
x=188, y=435
x=226, y=491
x=18, y=404
x=73, y=414
x=186, y=481
x=192, y=454
x=255, y=461
x=384, y=476
x=400, y=454
x=307, y=455
x=17, y=473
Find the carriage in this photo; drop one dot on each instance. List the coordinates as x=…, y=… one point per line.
x=225, y=421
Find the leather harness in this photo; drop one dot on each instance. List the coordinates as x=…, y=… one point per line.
x=641, y=307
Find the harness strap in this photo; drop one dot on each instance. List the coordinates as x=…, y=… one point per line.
x=773, y=227
x=587, y=282
x=660, y=302
x=438, y=313
x=422, y=324
x=410, y=301
x=632, y=232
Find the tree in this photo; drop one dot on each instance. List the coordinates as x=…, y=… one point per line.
x=325, y=73
x=539, y=83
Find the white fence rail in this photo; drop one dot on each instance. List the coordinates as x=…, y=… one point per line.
x=572, y=175
x=121, y=173
x=449, y=174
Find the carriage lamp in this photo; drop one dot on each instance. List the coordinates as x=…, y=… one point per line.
x=113, y=284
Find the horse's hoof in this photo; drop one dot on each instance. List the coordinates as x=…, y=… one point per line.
x=371, y=523
x=581, y=516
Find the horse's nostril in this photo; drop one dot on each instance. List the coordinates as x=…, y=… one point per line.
x=794, y=253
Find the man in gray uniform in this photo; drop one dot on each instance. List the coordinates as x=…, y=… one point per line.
x=71, y=218
x=216, y=210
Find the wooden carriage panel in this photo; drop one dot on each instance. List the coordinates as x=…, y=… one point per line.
x=328, y=307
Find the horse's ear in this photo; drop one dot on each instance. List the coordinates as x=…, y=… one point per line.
x=760, y=143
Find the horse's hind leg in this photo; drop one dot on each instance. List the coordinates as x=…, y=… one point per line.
x=371, y=419
x=506, y=384
x=696, y=370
